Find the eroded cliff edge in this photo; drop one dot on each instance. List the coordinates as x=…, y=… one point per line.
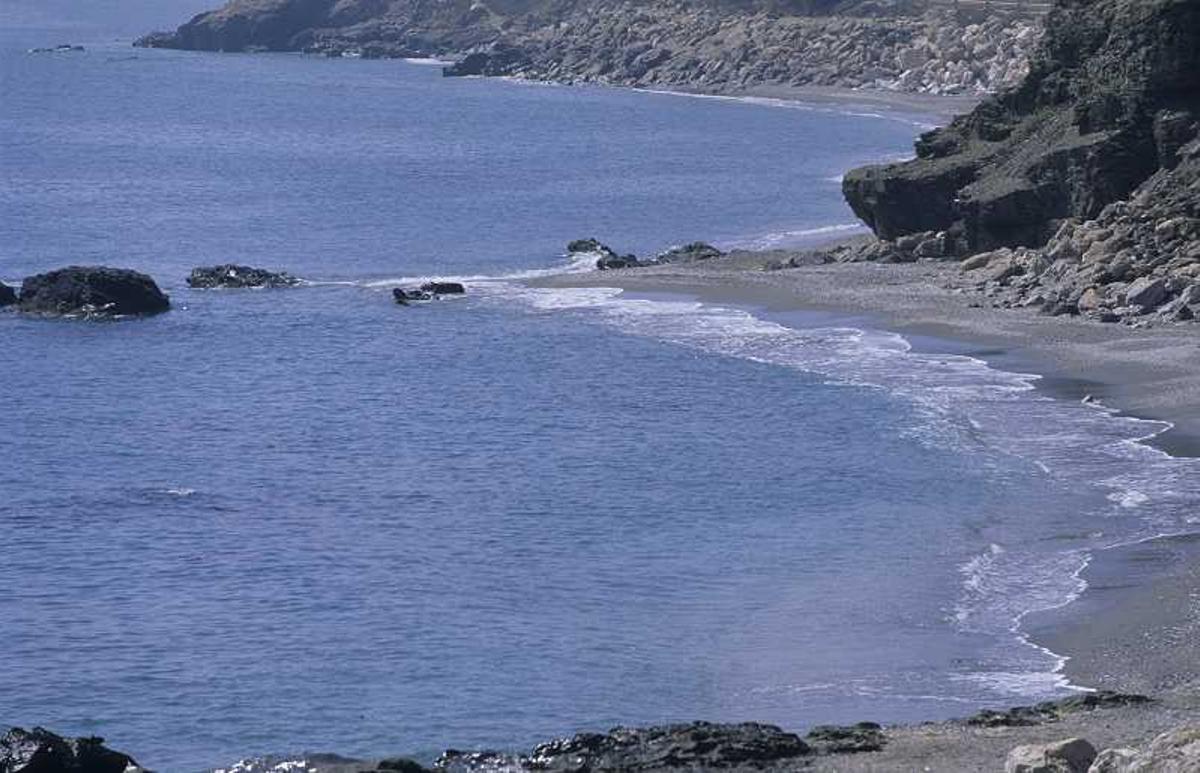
x=1078, y=191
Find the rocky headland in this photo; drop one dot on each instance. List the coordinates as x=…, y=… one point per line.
x=1078, y=191
x=718, y=46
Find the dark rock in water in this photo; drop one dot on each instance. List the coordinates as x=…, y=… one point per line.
x=1051, y=711
x=229, y=275
x=92, y=291
x=400, y=765
x=608, y=257
x=590, y=245
x=443, y=288
x=696, y=746
x=847, y=739
x=8, y=296
x=689, y=253
x=404, y=297
x=40, y=751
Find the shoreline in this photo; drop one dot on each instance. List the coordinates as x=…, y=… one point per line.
x=1071, y=359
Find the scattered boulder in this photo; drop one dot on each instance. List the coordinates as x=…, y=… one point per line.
x=1074, y=755
x=40, y=751
x=92, y=291
x=846, y=739
x=232, y=276
x=1146, y=292
x=8, y=296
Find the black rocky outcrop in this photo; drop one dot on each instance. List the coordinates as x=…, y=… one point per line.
x=443, y=288
x=92, y=291
x=695, y=746
x=8, y=296
x=40, y=751
x=230, y=275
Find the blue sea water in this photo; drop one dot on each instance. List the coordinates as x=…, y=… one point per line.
x=271, y=522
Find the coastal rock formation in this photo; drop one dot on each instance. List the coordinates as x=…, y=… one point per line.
x=229, y=275
x=846, y=739
x=710, y=45
x=1080, y=185
x=427, y=292
x=1052, y=711
x=689, y=253
x=8, y=296
x=92, y=291
x=443, y=288
x=40, y=751
x=606, y=257
x=696, y=746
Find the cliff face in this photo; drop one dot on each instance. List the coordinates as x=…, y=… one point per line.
x=1109, y=101
x=1081, y=187
x=711, y=45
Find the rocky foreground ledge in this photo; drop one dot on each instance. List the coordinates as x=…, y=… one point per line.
x=713, y=46
x=747, y=746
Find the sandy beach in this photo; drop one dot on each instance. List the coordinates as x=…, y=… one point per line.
x=1137, y=626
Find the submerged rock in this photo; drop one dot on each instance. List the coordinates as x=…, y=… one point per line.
x=404, y=297
x=8, y=296
x=92, y=291
x=40, y=751
x=230, y=275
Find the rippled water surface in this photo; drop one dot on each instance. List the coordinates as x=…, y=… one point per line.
x=271, y=522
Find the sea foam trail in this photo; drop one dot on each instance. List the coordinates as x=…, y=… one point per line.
x=963, y=404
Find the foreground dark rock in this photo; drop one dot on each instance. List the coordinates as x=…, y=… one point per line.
x=1077, y=191
x=8, y=296
x=229, y=275
x=696, y=746
x=93, y=291
x=40, y=751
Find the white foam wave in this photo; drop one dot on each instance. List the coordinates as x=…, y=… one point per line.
x=426, y=61
x=964, y=404
x=797, y=237
x=846, y=107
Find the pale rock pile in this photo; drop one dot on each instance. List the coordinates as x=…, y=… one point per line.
x=1176, y=751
